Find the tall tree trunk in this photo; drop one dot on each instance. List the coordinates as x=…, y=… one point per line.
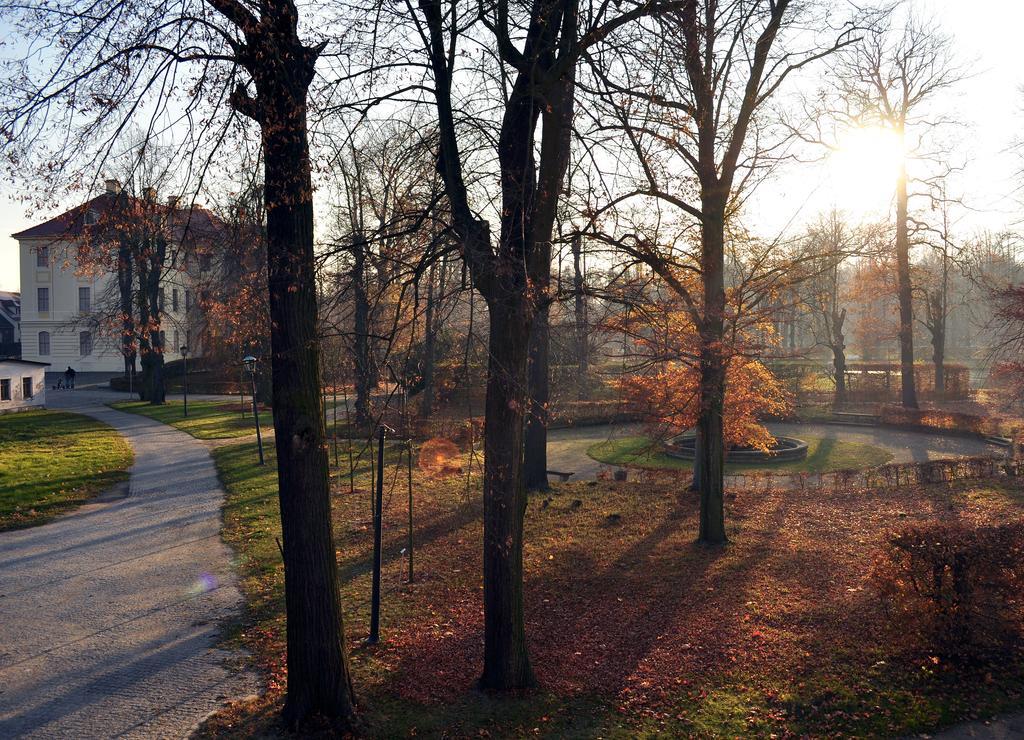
x=126, y=304
x=429, y=341
x=361, y=329
x=319, y=681
x=511, y=309
x=508, y=276
x=536, y=442
x=506, y=663
x=153, y=359
x=145, y=349
x=937, y=328
x=712, y=375
x=941, y=315
x=558, y=109
x=580, y=316
x=839, y=354
x=904, y=293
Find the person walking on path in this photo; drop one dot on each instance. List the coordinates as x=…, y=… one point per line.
x=69, y=377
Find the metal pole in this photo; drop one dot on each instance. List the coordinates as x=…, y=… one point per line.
x=241, y=391
x=184, y=360
x=377, y=526
x=349, y=440
x=410, y=511
x=334, y=411
x=256, y=416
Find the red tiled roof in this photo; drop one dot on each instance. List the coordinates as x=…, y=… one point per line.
x=196, y=221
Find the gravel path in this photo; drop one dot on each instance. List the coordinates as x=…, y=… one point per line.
x=567, y=448
x=109, y=616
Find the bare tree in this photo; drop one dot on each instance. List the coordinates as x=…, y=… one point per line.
x=532, y=52
x=830, y=243
x=691, y=92
x=111, y=66
x=890, y=79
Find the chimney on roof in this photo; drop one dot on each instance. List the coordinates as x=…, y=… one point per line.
x=172, y=201
x=113, y=186
x=149, y=193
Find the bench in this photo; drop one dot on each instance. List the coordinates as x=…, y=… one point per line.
x=855, y=417
x=562, y=477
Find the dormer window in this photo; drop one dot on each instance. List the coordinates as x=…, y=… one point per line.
x=91, y=217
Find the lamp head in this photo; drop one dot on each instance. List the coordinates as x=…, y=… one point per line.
x=250, y=363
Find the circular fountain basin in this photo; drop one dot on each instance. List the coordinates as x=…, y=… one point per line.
x=784, y=449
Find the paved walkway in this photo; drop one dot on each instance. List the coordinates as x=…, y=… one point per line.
x=1004, y=728
x=109, y=616
x=567, y=448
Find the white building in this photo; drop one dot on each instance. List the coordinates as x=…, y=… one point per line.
x=22, y=385
x=62, y=303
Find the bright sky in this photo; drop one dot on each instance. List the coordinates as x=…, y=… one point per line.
x=990, y=104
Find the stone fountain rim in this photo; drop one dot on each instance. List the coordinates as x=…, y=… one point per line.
x=797, y=451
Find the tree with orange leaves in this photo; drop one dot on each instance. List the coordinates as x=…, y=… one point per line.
x=666, y=388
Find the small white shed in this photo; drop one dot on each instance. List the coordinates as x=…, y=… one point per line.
x=22, y=385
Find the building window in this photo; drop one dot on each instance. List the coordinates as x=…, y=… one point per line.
x=5, y=389
x=84, y=302
x=188, y=299
x=160, y=299
x=43, y=300
x=204, y=262
x=26, y=388
x=174, y=299
x=44, y=343
x=42, y=256
x=163, y=340
x=177, y=338
x=85, y=343
x=91, y=217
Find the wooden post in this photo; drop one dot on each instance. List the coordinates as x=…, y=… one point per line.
x=378, y=516
x=351, y=462
x=410, y=511
x=334, y=413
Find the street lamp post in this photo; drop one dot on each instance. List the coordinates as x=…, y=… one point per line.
x=250, y=364
x=184, y=360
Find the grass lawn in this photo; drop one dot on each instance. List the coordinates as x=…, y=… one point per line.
x=52, y=461
x=823, y=455
x=634, y=630
x=205, y=420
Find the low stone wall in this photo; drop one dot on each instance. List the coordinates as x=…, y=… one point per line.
x=789, y=449
x=885, y=476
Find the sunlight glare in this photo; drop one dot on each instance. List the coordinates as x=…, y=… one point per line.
x=864, y=170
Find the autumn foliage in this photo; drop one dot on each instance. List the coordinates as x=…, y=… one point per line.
x=665, y=392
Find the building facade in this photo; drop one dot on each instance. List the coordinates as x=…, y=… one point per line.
x=22, y=385
x=69, y=311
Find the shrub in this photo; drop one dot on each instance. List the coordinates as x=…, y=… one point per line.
x=956, y=586
x=939, y=419
x=582, y=413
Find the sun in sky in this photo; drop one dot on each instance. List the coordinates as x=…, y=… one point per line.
x=864, y=168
